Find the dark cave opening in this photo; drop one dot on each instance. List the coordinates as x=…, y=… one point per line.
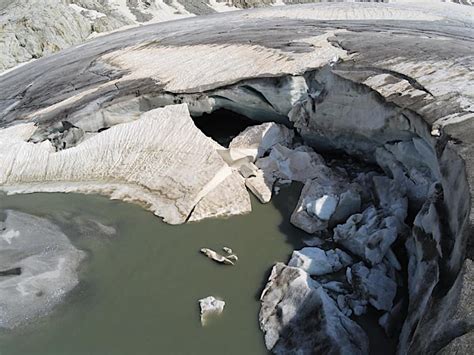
x=223, y=125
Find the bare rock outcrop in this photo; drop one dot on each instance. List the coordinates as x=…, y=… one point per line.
x=35, y=28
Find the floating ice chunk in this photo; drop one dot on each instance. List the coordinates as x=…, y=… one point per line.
x=233, y=257
x=227, y=250
x=211, y=254
x=210, y=306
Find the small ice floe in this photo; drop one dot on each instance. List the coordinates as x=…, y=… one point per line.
x=233, y=257
x=230, y=254
x=210, y=306
x=211, y=254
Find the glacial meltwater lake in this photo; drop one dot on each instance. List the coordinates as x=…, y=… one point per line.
x=139, y=289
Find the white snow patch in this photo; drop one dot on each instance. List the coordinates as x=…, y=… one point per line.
x=90, y=14
x=222, y=6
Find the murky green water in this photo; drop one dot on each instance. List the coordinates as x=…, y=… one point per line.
x=139, y=289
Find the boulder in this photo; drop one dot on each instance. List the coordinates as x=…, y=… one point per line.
x=335, y=287
x=316, y=261
x=349, y=202
x=367, y=234
x=261, y=185
x=298, y=317
x=372, y=285
x=236, y=157
x=299, y=164
x=323, y=207
x=257, y=140
x=392, y=261
x=326, y=200
x=39, y=268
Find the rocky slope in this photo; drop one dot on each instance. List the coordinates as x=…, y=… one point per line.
x=390, y=91
x=31, y=29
